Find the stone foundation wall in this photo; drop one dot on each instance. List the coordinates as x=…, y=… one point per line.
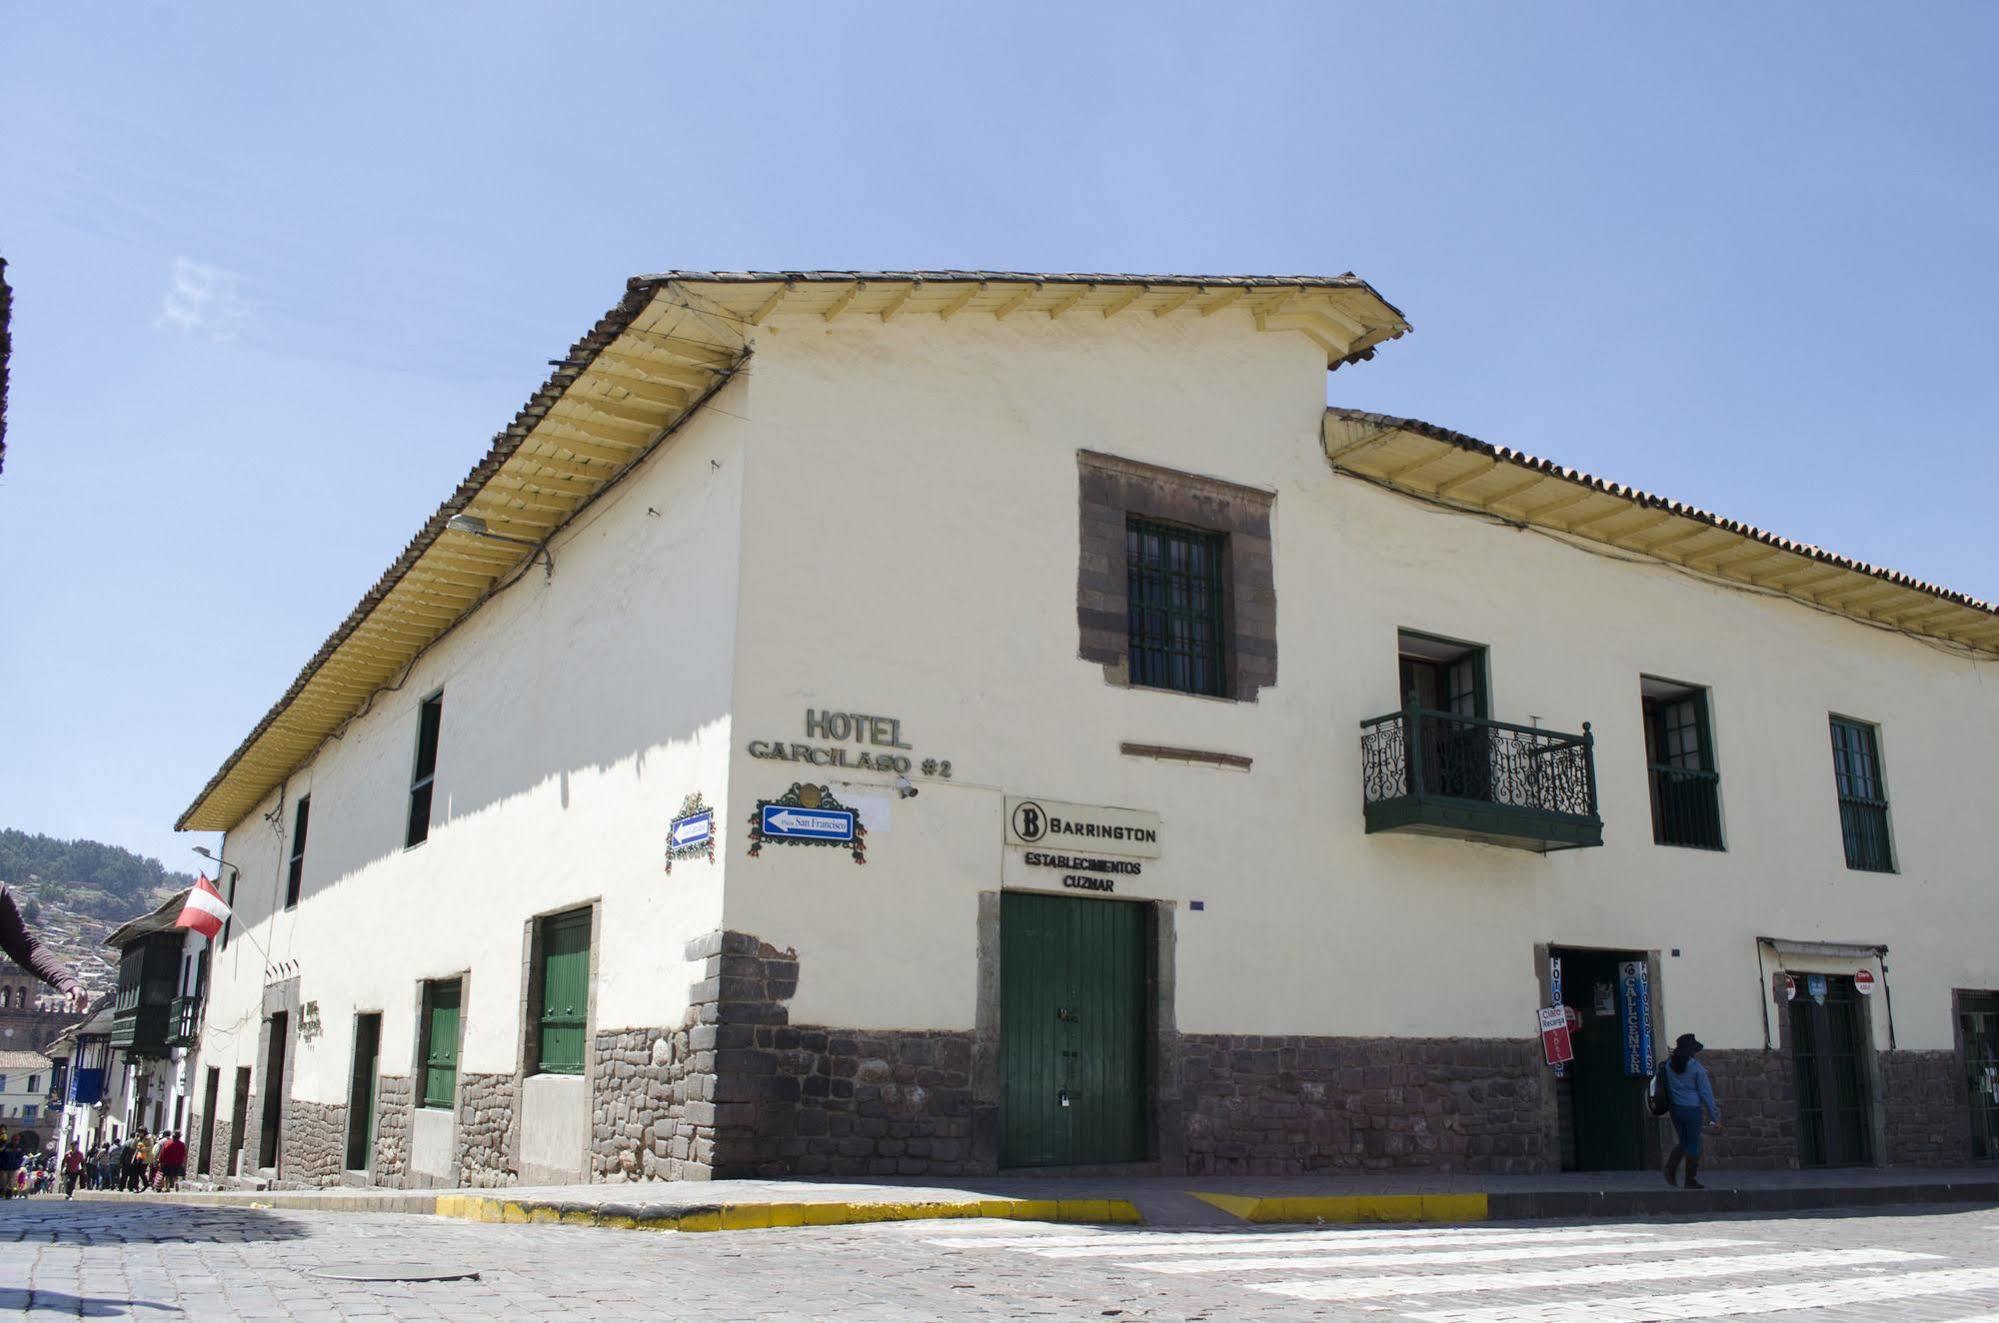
x=488, y=1141
x=253, y=1130
x=218, y=1156
x=1926, y=1119
x=1759, y=1109
x=844, y=1103
x=1273, y=1105
x=651, y=1114
x=314, y=1143
x=393, y=1098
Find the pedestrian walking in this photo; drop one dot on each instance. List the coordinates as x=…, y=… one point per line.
x=128, y=1160
x=72, y=1170
x=173, y=1161
x=10, y=1167
x=109, y=1168
x=1689, y=1094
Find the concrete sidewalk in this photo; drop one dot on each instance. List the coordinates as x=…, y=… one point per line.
x=1159, y=1201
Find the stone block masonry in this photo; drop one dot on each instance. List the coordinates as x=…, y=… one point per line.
x=315, y=1144
x=651, y=1117
x=488, y=1136
x=394, y=1096
x=1759, y=1109
x=1927, y=1119
x=1259, y=1105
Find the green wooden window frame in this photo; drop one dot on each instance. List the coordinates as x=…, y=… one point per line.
x=562, y=1020
x=442, y=1005
x=1173, y=586
x=423, y=776
x=295, y=872
x=1863, y=796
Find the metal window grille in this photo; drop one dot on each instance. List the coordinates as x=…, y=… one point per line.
x=1863, y=799
x=1174, y=596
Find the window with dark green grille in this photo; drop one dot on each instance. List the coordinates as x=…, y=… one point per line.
x=430, y=719
x=440, y=1041
x=295, y=873
x=565, y=993
x=1679, y=755
x=1174, y=601
x=1863, y=796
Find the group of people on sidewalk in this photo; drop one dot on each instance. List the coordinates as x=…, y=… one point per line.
x=142, y=1162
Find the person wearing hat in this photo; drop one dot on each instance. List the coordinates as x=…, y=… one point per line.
x=1691, y=1095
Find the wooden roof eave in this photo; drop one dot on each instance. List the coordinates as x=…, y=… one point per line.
x=521, y=489
x=1436, y=465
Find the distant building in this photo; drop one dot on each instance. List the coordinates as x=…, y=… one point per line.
x=938, y=723
x=24, y=1094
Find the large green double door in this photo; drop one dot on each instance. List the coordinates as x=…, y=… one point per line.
x=1073, y=996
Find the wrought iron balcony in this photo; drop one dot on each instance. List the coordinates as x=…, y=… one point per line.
x=1686, y=807
x=183, y=1021
x=1439, y=774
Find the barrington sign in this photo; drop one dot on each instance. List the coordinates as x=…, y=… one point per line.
x=1051, y=824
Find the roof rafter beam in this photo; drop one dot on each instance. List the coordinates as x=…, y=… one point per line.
x=1069, y=301
x=846, y=297
x=1173, y=303
x=1449, y=485
x=1013, y=304
x=899, y=298
x=765, y=308
x=957, y=305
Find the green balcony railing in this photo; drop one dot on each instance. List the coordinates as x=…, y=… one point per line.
x=1441, y=774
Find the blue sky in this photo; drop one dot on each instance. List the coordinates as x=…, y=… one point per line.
x=280, y=274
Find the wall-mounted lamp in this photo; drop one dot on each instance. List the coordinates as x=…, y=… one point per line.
x=217, y=860
x=474, y=525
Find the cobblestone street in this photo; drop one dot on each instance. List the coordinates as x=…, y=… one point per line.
x=139, y=1260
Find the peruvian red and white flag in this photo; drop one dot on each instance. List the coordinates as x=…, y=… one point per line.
x=205, y=911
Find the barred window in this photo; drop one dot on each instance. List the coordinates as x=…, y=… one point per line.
x=1174, y=603
x=1863, y=798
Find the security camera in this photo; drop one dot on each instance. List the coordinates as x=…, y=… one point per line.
x=904, y=788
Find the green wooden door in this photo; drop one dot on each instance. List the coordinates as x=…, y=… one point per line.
x=565, y=992
x=1073, y=977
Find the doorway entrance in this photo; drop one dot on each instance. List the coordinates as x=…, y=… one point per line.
x=239, y=1117
x=361, y=1091
x=1601, y=1095
x=210, y=1095
x=1074, y=981
x=274, y=1093
x=1828, y=1031
x=1978, y=1016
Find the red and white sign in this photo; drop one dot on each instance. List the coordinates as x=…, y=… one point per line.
x=1574, y=1018
x=1790, y=988
x=1863, y=982
x=205, y=910
x=1555, y=1045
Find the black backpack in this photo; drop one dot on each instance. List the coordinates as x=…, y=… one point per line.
x=1657, y=1098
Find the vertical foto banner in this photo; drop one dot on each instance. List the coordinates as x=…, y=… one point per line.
x=1634, y=1010
x=1555, y=996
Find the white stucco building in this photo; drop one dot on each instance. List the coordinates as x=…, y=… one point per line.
x=1109, y=754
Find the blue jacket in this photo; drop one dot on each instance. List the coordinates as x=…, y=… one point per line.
x=1690, y=1088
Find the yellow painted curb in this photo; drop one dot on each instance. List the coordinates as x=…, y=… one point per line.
x=1350, y=1208
x=757, y=1217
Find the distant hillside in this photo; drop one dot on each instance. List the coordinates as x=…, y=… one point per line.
x=74, y=893
x=87, y=878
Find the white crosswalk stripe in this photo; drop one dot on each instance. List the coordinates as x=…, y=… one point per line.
x=1734, y=1302
x=1437, y=1275
x=1596, y=1274
x=1172, y=1242
x=1416, y=1258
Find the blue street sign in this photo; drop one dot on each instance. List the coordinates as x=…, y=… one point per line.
x=786, y=822
x=692, y=830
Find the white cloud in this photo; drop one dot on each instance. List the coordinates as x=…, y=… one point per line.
x=204, y=300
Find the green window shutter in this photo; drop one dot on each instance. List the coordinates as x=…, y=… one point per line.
x=440, y=1050
x=565, y=992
